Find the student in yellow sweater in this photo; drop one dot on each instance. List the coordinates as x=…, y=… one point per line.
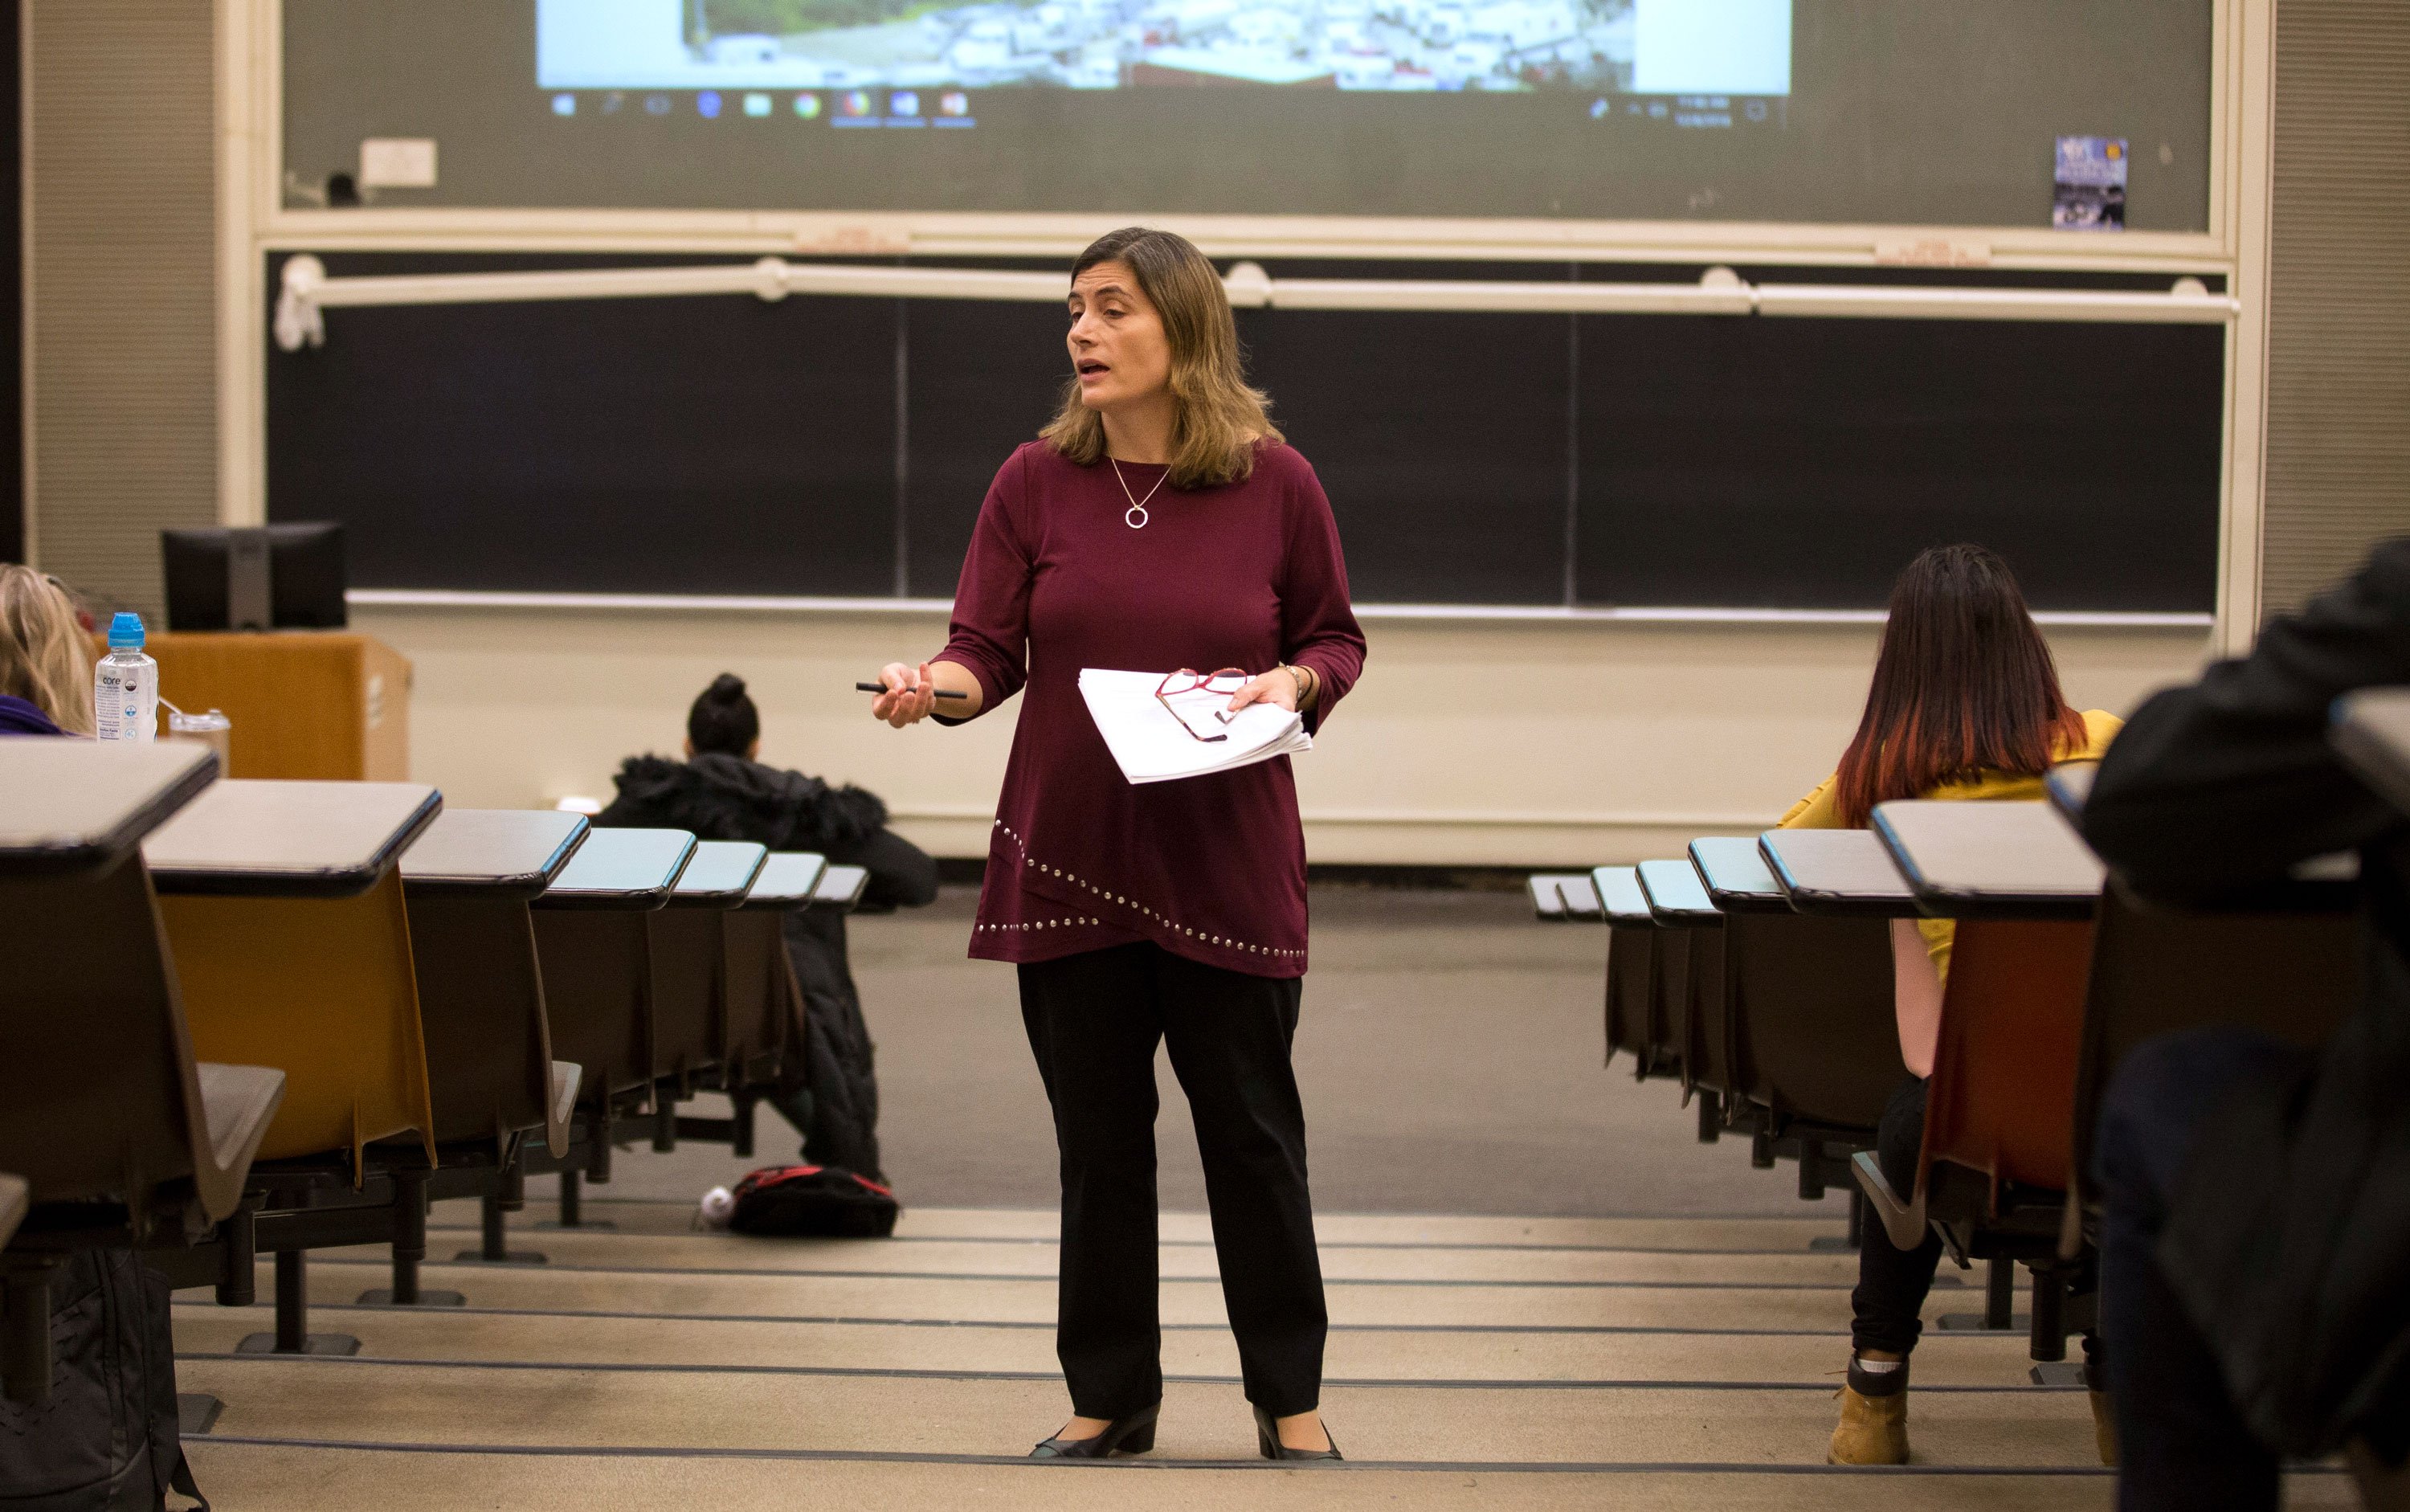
x=1965, y=704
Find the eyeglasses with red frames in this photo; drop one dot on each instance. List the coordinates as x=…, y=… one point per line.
x=1185, y=685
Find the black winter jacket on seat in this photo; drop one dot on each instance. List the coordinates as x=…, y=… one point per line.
x=833, y=1094
x=2289, y=1235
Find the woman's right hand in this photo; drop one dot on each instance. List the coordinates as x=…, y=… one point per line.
x=912, y=694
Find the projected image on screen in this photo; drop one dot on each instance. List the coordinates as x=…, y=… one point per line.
x=1599, y=47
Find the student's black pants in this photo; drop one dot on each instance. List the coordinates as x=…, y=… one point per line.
x=1887, y=1308
x=1093, y=1021
x=2181, y=1441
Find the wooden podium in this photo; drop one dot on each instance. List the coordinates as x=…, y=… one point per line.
x=304, y=703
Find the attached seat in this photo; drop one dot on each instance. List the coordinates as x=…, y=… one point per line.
x=1813, y=1035
x=491, y=1076
x=1997, y=1155
x=283, y=902
x=284, y=906
x=1678, y=901
x=596, y=956
x=113, y=1133
x=1632, y=949
x=689, y=957
x=595, y=953
x=2285, y=959
x=758, y=997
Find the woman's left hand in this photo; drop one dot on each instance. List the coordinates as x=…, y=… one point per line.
x=1278, y=686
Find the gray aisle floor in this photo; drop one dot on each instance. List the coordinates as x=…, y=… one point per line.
x=1449, y=1055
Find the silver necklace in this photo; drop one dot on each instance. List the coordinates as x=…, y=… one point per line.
x=1136, y=516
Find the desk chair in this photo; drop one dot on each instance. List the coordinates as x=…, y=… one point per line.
x=760, y=998
x=1995, y=1168
x=491, y=1078
x=283, y=904
x=1632, y=951
x=1693, y=996
x=2285, y=959
x=115, y=1134
x=841, y=889
x=689, y=948
x=1564, y=899
x=595, y=954
x=1813, y=1037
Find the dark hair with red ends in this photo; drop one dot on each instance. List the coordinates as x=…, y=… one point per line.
x=1963, y=684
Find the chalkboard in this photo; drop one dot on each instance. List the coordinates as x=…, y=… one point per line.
x=839, y=448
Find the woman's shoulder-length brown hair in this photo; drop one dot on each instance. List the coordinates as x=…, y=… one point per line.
x=1963, y=684
x=1218, y=420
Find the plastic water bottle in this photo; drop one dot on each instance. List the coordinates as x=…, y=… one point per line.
x=126, y=685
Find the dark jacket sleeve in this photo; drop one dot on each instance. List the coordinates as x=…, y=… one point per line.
x=2230, y=782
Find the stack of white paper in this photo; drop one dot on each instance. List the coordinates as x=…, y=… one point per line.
x=1193, y=735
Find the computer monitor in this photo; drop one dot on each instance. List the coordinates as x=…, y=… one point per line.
x=256, y=577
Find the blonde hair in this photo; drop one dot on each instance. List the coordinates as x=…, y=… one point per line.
x=1216, y=418
x=45, y=655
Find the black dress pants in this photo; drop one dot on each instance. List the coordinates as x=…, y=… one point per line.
x=1093, y=1021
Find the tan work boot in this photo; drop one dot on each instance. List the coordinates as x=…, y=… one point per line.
x=1873, y=1431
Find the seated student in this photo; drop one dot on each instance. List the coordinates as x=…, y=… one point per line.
x=1965, y=704
x=721, y=793
x=45, y=657
x=2255, y=1257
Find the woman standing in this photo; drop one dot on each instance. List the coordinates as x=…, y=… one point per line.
x=1158, y=522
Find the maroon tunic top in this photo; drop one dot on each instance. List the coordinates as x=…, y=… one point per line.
x=1246, y=574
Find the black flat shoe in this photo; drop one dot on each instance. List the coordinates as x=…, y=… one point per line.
x=1133, y=1434
x=1268, y=1442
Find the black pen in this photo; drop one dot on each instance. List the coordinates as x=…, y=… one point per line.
x=882, y=688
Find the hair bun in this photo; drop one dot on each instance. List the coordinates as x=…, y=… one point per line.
x=725, y=689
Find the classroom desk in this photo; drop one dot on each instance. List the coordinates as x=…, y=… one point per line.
x=1632, y=1021
x=619, y=871
x=508, y=853
x=1562, y=898
x=1836, y=874
x=787, y=880
x=467, y=882
x=282, y=904
x=841, y=888
x=1990, y=860
x=1676, y=899
x=595, y=949
x=492, y=1075
x=73, y=807
x=2372, y=734
x=689, y=952
x=258, y=838
x=1619, y=895
x=1737, y=876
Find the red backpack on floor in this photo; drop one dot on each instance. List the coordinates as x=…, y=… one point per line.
x=812, y=1201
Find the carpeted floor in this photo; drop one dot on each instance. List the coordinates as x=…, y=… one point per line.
x=1449, y=1053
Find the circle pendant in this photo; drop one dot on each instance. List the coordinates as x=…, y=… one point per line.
x=1136, y=519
